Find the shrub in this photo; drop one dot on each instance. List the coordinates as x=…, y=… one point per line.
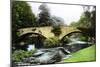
x=66, y=40
x=84, y=38
x=56, y=30
x=52, y=42
x=18, y=55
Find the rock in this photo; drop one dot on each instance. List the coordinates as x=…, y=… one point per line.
x=47, y=56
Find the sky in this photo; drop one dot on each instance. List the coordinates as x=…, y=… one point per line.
x=68, y=13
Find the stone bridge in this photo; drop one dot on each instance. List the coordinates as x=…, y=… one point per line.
x=46, y=31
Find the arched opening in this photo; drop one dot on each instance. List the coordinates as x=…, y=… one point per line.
x=71, y=34
x=29, y=39
x=76, y=40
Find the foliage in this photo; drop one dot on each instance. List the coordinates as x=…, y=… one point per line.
x=74, y=24
x=87, y=19
x=66, y=40
x=57, y=20
x=87, y=54
x=56, y=30
x=44, y=16
x=87, y=22
x=22, y=16
x=84, y=38
x=79, y=36
x=18, y=55
x=74, y=36
x=52, y=42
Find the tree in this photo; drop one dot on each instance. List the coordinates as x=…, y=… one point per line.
x=74, y=24
x=57, y=21
x=87, y=20
x=22, y=17
x=44, y=16
x=56, y=30
x=93, y=17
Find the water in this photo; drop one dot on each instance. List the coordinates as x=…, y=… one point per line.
x=31, y=47
x=77, y=42
x=51, y=55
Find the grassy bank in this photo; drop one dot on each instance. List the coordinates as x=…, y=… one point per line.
x=87, y=54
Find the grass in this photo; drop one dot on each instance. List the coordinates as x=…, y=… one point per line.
x=87, y=54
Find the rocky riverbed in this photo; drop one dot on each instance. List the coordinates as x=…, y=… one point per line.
x=45, y=56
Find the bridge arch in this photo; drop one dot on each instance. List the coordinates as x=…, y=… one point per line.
x=29, y=38
x=69, y=34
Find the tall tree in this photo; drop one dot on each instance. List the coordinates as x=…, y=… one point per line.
x=22, y=16
x=87, y=19
x=44, y=16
